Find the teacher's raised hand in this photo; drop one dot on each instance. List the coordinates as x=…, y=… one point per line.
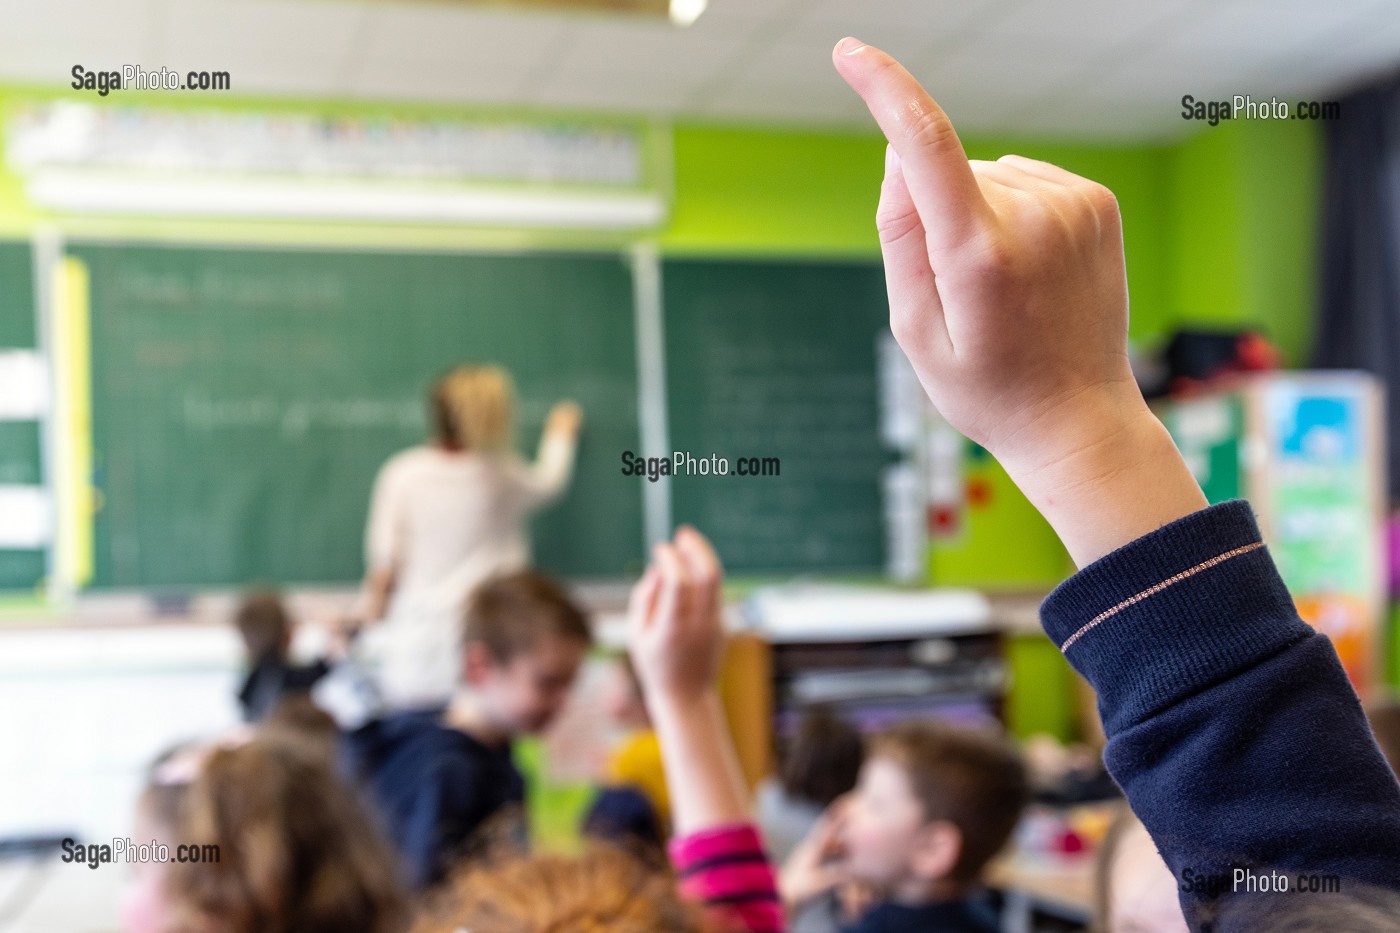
x=1008, y=294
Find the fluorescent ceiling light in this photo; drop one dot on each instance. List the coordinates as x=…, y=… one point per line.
x=685, y=12
x=681, y=12
x=103, y=193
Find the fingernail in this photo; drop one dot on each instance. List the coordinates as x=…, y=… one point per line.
x=891, y=160
x=849, y=45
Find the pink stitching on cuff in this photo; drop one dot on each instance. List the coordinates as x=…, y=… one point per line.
x=1157, y=588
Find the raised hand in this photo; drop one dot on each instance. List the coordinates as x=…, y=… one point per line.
x=676, y=630
x=565, y=417
x=1009, y=295
x=675, y=636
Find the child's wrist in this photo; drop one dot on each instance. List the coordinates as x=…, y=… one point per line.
x=1059, y=430
x=670, y=702
x=1108, y=479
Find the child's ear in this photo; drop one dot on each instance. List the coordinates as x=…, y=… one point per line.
x=936, y=850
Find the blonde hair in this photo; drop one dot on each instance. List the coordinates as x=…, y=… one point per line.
x=474, y=408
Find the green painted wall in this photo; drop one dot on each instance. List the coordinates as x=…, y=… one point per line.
x=1244, y=217
x=1219, y=229
x=1041, y=699
x=755, y=191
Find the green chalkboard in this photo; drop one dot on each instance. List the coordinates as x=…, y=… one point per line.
x=16, y=295
x=20, y=456
x=20, y=452
x=777, y=359
x=244, y=399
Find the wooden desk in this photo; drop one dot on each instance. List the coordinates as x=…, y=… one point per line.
x=1059, y=886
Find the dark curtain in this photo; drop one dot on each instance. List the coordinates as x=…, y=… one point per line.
x=1358, y=325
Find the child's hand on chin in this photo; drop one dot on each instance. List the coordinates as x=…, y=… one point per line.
x=854, y=898
x=817, y=863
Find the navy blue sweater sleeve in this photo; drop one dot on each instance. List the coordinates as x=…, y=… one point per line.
x=1231, y=726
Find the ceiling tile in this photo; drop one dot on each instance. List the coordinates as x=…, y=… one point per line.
x=930, y=19
x=1266, y=27
x=650, y=94
x=1088, y=68
x=263, y=44
x=43, y=41
x=784, y=103
x=407, y=34
x=1086, y=24
x=449, y=53
x=621, y=47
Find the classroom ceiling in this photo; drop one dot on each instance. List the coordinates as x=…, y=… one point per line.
x=1092, y=69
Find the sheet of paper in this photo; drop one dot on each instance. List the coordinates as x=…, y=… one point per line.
x=24, y=385
x=901, y=397
x=25, y=517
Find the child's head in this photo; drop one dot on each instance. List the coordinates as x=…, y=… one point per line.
x=263, y=622
x=473, y=408
x=1357, y=908
x=523, y=643
x=933, y=805
x=298, y=721
x=604, y=891
x=822, y=760
x=295, y=849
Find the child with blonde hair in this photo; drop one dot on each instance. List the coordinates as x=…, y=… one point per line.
x=446, y=515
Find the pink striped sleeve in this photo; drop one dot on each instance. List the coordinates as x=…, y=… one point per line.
x=726, y=869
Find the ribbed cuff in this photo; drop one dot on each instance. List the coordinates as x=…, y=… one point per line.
x=1173, y=612
x=714, y=842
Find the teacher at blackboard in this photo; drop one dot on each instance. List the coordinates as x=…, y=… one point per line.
x=446, y=515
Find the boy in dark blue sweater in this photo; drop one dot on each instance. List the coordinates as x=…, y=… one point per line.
x=437, y=776
x=933, y=805
x=1231, y=726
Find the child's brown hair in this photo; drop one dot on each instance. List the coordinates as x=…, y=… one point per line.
x=822, y=760
x=974, y=780
x=296, y=852
x=511, y=613
x=263, y=622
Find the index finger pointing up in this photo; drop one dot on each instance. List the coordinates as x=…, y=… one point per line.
x=935, y=167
